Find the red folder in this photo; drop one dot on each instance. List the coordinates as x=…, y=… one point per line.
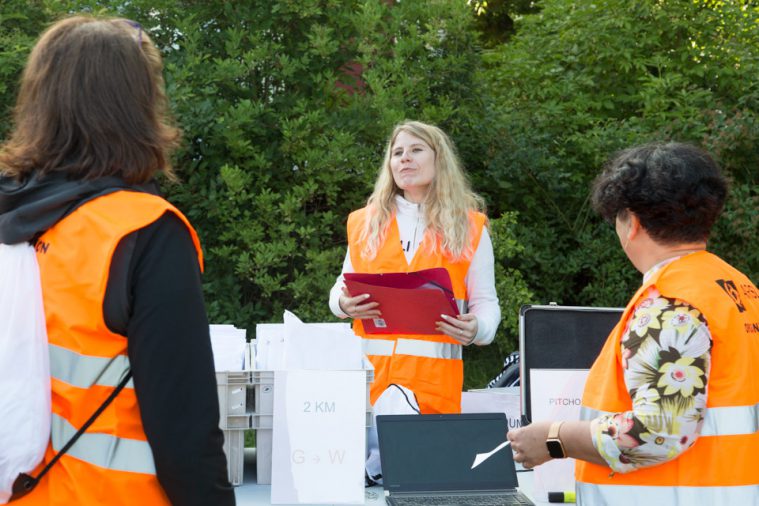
x=410, y=302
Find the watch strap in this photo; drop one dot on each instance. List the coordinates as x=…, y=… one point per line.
x=553, y=430
x=553, y=442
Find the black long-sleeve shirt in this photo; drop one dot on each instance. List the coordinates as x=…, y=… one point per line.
x=154, y=298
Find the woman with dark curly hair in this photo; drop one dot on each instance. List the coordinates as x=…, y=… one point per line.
x=671, y=405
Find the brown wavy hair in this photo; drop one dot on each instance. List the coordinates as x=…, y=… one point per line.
x=92, y=103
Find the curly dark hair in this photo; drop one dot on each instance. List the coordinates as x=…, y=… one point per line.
x=675, y=189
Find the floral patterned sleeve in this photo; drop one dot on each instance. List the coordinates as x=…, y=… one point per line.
x=666, y=352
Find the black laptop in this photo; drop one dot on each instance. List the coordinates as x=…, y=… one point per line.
x=427, y=460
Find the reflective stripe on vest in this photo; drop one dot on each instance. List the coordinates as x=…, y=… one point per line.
x=83, y=371
x=429, y=349
x=718, y=421
x=413, y=347
x=635, y=495
x=103, y=450
x=731, y=421
x=463, y=305
x=378, y=347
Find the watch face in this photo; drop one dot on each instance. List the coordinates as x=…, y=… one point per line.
x=555, y=448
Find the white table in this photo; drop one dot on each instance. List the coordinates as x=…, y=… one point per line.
x=250, y=493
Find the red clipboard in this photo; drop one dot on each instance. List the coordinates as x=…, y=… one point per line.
x=411, y=302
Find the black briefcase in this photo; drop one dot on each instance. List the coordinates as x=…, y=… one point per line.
x=560, y=337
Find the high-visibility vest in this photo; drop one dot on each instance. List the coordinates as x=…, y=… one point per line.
x=111, y=463
x=721, y=467
x=429, y=365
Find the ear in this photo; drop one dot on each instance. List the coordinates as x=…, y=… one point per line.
x=634, y=226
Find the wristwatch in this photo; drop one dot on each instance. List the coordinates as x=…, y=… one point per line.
x=553, y=443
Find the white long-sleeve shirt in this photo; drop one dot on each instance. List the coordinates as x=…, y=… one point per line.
x=480, y=278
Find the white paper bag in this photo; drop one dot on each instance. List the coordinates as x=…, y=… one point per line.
x=24, y=366
x=319, y=437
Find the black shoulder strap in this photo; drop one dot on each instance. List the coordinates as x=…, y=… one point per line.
x=25, y=483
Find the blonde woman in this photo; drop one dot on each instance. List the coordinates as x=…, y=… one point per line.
x=422, y=214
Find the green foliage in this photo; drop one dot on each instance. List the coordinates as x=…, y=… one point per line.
x=286, y=107
x=21, y=21
x=284, y=138
x=496, y=18
x=581, y=80
x=511, y=287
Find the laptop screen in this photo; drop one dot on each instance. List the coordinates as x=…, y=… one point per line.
x=436, y=452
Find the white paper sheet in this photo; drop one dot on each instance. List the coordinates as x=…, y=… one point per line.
x=319, y=346
x=228, y=345
x=271, y=350
x=555, y=394
x=319, y=437
x=494, y=400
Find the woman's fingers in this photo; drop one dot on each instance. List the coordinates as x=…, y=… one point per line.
x=462, y=328
x=367, y=307
x=357, y=307
x=368, y=310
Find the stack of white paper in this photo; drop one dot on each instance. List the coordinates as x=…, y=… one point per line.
x=298, y=345
x=228, y=344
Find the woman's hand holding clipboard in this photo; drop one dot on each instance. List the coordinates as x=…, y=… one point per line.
x=408, y=302
x=357, y=307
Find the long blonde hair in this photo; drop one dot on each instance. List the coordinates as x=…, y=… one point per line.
x=446, y=207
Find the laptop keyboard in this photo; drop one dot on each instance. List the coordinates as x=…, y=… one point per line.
x=505, y=499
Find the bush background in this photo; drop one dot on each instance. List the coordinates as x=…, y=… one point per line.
x=286, y=106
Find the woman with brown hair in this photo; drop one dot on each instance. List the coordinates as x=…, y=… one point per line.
x=120, y=273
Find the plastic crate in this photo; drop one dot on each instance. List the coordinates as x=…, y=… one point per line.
x=232, y=388
x=263, y=456
x=234, y=449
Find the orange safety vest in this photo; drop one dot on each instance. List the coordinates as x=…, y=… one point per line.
x=112, y=462
x=721, y=466
x=430, y=365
